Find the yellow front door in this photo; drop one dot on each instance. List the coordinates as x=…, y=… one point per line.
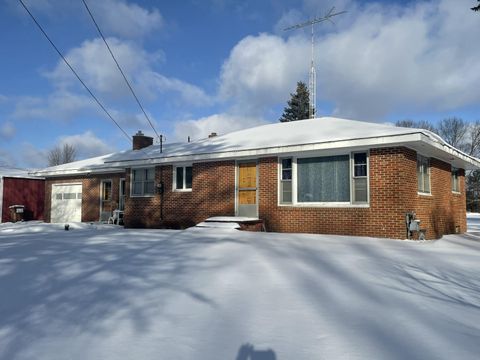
x=247, y=189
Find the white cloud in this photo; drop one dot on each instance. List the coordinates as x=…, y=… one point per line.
x=219, y=123
x=118, y=17
x=262, y=70
x=96, y=67
x=124, y=19
x=86, y=144
x=7, y=130
x=60, y=105
x=418, y=56
x=189, y=93
x=6, y=158
x=31, y=157
x=380, y=59
x=3, y=98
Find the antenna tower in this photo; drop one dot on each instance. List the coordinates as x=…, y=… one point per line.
x=312, y=83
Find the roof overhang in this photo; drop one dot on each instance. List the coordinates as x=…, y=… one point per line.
x=421, y=142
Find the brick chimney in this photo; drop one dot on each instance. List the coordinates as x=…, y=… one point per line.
x=141, y=141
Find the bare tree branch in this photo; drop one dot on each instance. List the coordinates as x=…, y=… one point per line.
x=61, y=155
x=69, y=153
x=422, y=124
x=453, y=130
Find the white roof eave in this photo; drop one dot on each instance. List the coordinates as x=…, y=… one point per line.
x=72, y=172
x=452, y=154
x=382, y=141
x=417, y=140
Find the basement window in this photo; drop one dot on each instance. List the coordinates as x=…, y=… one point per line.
x=143, y=182
x=423, y=174
x=182, y=178
x=455, y=180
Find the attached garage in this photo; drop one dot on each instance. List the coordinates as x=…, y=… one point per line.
x=66, y=203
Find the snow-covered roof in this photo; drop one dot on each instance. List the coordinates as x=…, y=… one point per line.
x=324, y=134
x=7, y=171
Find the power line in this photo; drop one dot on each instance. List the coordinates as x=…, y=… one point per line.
x=74, y=72
x=120, y=69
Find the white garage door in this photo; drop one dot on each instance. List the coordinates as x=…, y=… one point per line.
x=66, y=203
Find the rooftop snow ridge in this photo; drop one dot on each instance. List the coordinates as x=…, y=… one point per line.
x=265, y=139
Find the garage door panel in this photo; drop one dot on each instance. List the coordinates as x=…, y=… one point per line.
x=66, y=203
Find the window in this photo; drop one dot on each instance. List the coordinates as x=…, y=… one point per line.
x=121, y=196
x=106, y=190
x=286, y=181
x=423, y=174
x=360, y=180
x=143, y=182
x=455, y=180
x=183, y=177
x=323, y=179
x=69, y=196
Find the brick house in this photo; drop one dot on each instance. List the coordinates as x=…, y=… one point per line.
x=326, y=175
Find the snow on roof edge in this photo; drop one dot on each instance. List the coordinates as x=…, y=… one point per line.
x=202, y=148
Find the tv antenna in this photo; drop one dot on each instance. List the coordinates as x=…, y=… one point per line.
x=312, y=83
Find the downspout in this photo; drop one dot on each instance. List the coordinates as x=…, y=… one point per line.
x=162, y=191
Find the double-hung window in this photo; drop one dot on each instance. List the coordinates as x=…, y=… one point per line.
x=286, y=181
x=455, y=180
x=360, y=179
x=423, y=174
x=324, y=180
x=143, y=182
x=183, y=178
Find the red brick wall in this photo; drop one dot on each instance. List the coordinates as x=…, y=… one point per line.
x=393, y=192
x=442, y=212
x=27, y=192
x=90, y=193
x=213, y=194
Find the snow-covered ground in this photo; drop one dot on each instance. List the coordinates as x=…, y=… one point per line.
x=103, y=292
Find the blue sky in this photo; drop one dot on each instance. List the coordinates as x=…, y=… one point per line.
x=221, y=65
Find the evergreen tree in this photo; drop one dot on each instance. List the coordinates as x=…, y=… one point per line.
x=298, y=105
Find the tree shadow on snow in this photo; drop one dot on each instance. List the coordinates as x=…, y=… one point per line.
x=76, y=281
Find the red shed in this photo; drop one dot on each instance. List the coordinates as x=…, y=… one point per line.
x=18, y=188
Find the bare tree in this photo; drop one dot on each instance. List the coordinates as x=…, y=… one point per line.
x=472, y=144
x=61, y=155
x=476, y=8
x=422, y=124
x=453, y=130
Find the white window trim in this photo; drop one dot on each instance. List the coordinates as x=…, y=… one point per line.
x=132, y=195
x=280, y=168
x=174, y=177
x=352, y=177
x=298, y=204
x=423, y=193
